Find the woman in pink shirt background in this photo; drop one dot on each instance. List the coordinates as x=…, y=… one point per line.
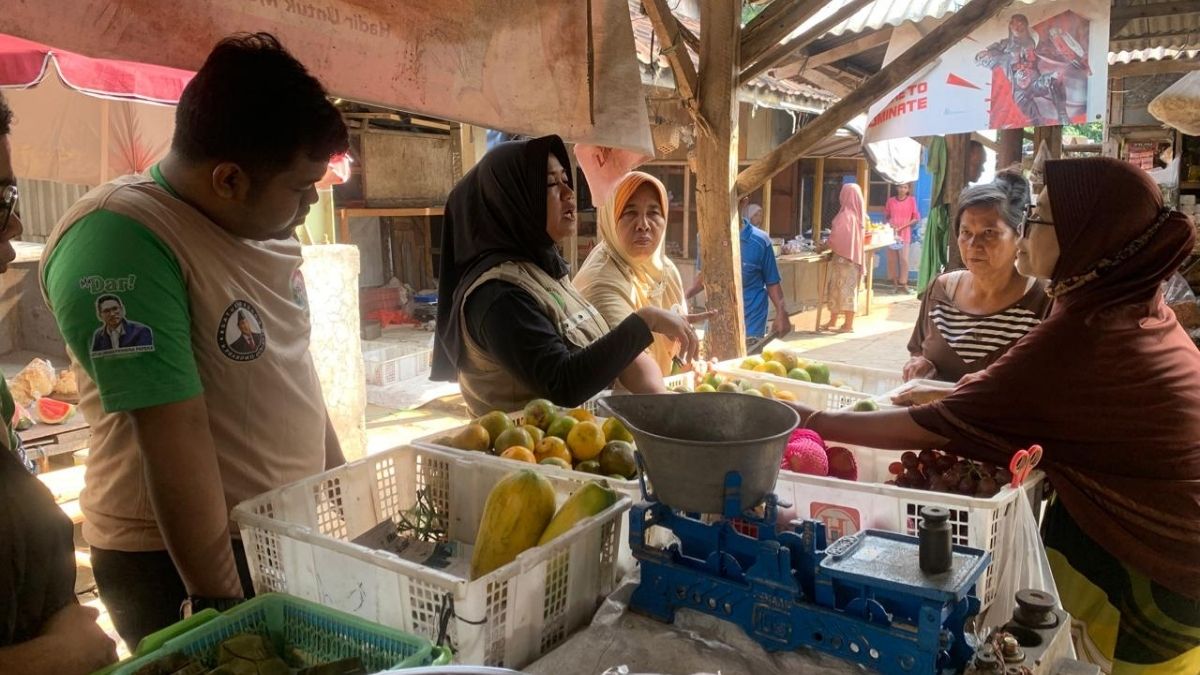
x=901, y=213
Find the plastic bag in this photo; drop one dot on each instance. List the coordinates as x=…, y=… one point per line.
x=1022, y=563
x=1177, y=290
x=1179, y=105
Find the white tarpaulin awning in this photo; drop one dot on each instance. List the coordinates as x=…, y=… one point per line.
x=525, y=66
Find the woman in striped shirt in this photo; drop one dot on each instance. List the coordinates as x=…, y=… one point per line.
x=969, y=318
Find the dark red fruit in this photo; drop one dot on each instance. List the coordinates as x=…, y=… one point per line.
x=842, y=463
x=895, y=468
x=909, y=460
x=967, y=486
x=988, y=487
x=927, y=457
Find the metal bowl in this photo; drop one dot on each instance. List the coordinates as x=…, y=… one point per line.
x=690, y=441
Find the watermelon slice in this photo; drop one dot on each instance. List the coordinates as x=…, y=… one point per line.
x=49, y=411
x=21, y=419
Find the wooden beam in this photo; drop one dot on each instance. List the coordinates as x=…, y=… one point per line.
x=1124, y=15
x=769, y=15
x=985, y=141
x=1051, y=137
x=766, y=207
x=957, y=148
x=762, y=36
x=666, y=26
x=1010, y=152
x=716, y=167
x=687, y=211
x=689, y=38
x=818, y=197
x=778, y=53
x=856, y=46
x=959, y=25
x=827, y=83
x=1120, y=70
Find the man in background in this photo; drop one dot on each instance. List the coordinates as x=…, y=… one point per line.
x=760, y=278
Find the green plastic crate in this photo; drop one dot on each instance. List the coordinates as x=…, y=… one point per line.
x=294, y=625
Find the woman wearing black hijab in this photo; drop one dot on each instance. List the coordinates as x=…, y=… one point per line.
x=511, y=327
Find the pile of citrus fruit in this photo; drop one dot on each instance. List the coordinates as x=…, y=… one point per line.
x=568, y=439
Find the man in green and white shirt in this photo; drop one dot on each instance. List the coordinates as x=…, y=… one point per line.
x=149, y=278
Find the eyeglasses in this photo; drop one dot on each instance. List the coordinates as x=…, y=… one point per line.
x=1030, y=220
x=8, y=204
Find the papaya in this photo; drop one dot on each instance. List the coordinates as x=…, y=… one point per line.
x=585, y=502
x=516, y=512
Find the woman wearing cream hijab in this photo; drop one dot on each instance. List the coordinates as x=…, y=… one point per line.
x=628, y=270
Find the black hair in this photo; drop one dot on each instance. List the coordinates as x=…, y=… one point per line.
x=105, y=298
x=252, y=103
x=6, y=116
x=1009, y=194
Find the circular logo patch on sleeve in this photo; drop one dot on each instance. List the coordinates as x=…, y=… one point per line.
x=240, y=334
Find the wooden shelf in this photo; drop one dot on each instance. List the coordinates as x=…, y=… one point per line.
x=1189, y=185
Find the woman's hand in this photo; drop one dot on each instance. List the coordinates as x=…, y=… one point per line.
x=675, y=327
x=919, y=367
x=921, y=394
x=806, y=412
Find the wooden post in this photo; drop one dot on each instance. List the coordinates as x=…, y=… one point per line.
x=687, y=211
x=818, y=196
x=1052, y=137
x=957, y=148
x=716, y=164
x=766, y=207
x=864, y=180
x=1010, y=148
x=893, y=75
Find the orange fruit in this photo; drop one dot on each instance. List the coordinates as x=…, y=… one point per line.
x=582, y=414
x=520, y=454
x=785, y=395
x=552, y=446
x=585, y=441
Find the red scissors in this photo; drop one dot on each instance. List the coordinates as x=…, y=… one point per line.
x=1023, y=463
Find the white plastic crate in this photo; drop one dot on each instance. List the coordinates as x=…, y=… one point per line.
x=872, y=381
x=298, y=541
x=846, y=507
x=387, y=363
x=687, y=380
x=817, y=396
x=629, y=488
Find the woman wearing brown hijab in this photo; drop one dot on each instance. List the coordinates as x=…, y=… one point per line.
x=1109, y=386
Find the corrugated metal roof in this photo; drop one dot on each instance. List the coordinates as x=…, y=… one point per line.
x=884, y=13
x=1180, y=31
x=1155, y=54
x=804, y=96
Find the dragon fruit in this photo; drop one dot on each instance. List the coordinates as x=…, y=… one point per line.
x=805, y=453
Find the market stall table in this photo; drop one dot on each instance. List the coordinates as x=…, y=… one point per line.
x=821, y=260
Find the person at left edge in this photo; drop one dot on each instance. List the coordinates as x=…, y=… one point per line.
x=180, y=429
x=43, y=628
